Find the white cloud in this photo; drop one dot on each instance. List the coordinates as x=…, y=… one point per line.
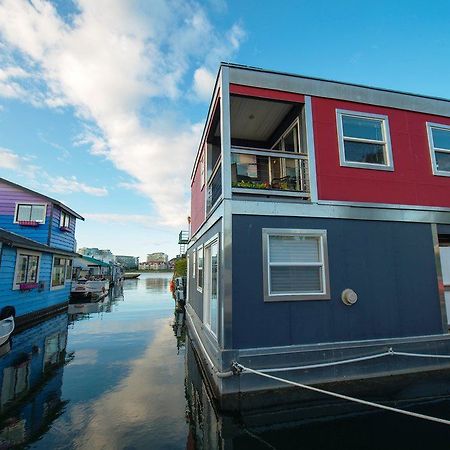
x=63, y=185
x=121, y=219
x=203, y=83
x=114, y=58
x=9, y=159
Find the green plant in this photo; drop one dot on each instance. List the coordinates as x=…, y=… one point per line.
x=180, y=269
x=251, y=184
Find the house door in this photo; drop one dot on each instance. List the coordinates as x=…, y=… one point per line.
x=211, y=297
x=445, y=264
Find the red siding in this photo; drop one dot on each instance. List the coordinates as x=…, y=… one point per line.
x=197, y=200
x=272, y=94
x=412, y=181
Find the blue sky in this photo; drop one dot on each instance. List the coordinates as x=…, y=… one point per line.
x=102, y=102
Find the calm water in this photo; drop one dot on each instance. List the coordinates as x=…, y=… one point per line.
x=117, y=375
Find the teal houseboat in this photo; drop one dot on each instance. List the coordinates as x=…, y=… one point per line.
x=37, y=246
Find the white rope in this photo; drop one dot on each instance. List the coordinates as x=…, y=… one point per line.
x=390, y=352
x=345, y=397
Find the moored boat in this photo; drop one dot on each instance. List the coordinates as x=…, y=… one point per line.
x=6, y=328
x=131, y=276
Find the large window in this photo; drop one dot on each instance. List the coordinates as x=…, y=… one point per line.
x=295, y=265
x=439, y=139
x=364, y=140
x=30, y=213
x=61, y=271
x=27, y=268
x=200, y=268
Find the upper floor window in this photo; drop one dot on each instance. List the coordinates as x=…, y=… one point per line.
x=295, y=265
x=364, y=140
x=439, y=139
x=290, y=140
x=200, y=268
x=30, y=213
x=64, y=220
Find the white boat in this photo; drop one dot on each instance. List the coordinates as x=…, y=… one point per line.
x=6, y=328
x=96, y=289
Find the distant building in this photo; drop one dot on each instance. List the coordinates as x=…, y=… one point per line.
x=94, y=252
x=127, y=262
x=157, y=261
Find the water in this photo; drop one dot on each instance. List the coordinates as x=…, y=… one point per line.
x=117, y=375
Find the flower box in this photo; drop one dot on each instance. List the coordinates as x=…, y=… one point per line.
x=28, y=286
x=28, y=223
x=65, y=229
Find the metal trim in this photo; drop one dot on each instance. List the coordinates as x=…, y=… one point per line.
x=389, y=166
x=225, y=133
x=337, y=90
x=310, y=146
x=288, y=209
x=433, y=149
x=272, y=153
x=270, y=192
x=322, y=234
x=227, y=276
x=437, y=260
x=383, y=205
x=215, y=215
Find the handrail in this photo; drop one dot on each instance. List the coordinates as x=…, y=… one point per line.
x=214, y=171
x=272, y=153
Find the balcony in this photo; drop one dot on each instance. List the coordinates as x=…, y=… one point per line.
x=183, y=237
x=257, y=171
x=214, y=188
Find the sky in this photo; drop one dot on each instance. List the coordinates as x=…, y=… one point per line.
x=102, y=102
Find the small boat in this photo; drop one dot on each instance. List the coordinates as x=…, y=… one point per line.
x=6, y=328
x=93, y=289
x=131, y=276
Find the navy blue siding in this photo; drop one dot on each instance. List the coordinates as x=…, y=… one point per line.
x=390, y=265
x=444, y=229
x=62, y=239
x=196, y=297
x=34, y=300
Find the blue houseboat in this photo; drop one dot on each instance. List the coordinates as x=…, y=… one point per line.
x=319, y=233
x=37, y=246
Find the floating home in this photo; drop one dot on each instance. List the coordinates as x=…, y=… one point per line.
x=37, y=246
x=320, y=231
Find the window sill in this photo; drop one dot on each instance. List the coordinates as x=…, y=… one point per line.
x=356, y=165
x=28, y=223
x=28, y=286
x=65, y=229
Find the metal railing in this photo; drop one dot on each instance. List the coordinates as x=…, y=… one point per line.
x=214, y=187
x=183, y=237
x=255, y=171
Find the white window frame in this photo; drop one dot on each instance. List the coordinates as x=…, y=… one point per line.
x=61, y=286
x=295, y=296
x=200, y=288
x=433, y=149
x=64, y=215
x=25, y=252
x=16, y=210
x=386, y=142
x=295, y=123
x=194, y=264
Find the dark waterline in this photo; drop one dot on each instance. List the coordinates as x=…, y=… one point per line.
x=117, y=375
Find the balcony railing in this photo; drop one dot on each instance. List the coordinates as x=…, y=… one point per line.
x=183, y=237
x=214, y=188
x=258, y=171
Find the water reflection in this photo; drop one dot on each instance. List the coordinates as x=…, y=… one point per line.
x=31, y=379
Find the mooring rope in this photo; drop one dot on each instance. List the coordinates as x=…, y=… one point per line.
x=390, y=352
x=240, y=367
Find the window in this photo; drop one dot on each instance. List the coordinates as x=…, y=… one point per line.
x=295, y=265
x=194, y=264
x=290, y=140
x=61, y=271
x=439, y=139
x=64, y=220
x=364, y=140
x=200, y=269
x=202, y=170
x=30, y=213
x=211, y=291
x=27, y=268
